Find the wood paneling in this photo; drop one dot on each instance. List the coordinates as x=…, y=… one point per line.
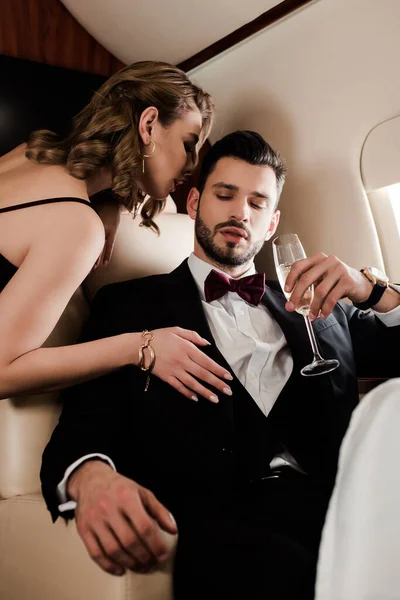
x=44, y=31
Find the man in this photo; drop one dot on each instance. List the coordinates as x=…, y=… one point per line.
x=248, y=478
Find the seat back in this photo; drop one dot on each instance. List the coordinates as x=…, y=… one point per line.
x=26, y=422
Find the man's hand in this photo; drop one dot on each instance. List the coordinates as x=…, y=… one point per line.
x=118, y=520
x=332, y=280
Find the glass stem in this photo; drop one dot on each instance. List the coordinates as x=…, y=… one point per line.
x=313, y=341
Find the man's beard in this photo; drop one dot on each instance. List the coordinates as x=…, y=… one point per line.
x=228, y=255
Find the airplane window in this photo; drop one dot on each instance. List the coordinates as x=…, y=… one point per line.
x=380, y=171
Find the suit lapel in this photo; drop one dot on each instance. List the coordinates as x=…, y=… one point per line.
x=184, y=304
x=184, y=301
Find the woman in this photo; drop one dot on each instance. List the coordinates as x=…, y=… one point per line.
x=139, y=134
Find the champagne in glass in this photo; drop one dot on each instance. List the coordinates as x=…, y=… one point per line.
x=283, y=271
x=287, y=250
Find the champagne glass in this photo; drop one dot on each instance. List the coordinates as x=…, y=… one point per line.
x=287, y=249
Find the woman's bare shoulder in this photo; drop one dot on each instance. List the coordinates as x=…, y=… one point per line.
x=70, y=221
x=22, y=180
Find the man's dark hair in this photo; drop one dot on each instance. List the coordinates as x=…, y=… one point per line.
x=243, y=145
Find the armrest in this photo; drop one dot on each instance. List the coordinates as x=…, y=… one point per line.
x=42, y=561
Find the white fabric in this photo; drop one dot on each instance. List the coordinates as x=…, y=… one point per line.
x=360, y=548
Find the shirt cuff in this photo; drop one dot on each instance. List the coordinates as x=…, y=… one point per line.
x=391, y=318
x=66, y=504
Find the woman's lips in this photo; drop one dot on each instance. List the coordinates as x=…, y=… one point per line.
x=175, y=184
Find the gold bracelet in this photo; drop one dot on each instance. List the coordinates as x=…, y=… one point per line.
x=148, y=336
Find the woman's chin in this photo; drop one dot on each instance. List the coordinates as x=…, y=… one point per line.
x=158, y=194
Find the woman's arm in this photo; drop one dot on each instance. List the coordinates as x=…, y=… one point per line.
x=56, y=263
x=58, y=260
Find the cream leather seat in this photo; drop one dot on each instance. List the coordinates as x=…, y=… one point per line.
x=39, y=560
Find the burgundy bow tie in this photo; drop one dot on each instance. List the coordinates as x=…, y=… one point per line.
x=250, y=288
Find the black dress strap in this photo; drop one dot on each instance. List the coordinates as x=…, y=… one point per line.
x=47, y=201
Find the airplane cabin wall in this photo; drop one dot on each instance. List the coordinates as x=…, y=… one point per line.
x=314, y=85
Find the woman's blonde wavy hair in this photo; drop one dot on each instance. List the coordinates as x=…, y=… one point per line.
x=105, y=133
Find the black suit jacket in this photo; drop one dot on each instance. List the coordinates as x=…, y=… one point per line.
x=179, y=448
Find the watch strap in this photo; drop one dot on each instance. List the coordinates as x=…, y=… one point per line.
x=377, y=292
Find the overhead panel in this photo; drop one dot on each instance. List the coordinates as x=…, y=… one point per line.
x=172, y=30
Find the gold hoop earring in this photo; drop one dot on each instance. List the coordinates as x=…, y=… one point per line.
x=148, y=155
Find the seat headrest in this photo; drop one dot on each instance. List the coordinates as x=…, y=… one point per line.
x=139, y=252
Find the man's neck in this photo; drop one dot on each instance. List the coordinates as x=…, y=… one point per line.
x=234, y=271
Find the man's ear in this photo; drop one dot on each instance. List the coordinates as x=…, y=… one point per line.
x=192, y=203
x=273, y=224
x=148, y=119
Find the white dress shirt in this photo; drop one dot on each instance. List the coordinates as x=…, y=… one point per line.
x=252, y=343
x=360, y=546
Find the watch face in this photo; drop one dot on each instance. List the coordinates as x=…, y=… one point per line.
x=378, y=274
